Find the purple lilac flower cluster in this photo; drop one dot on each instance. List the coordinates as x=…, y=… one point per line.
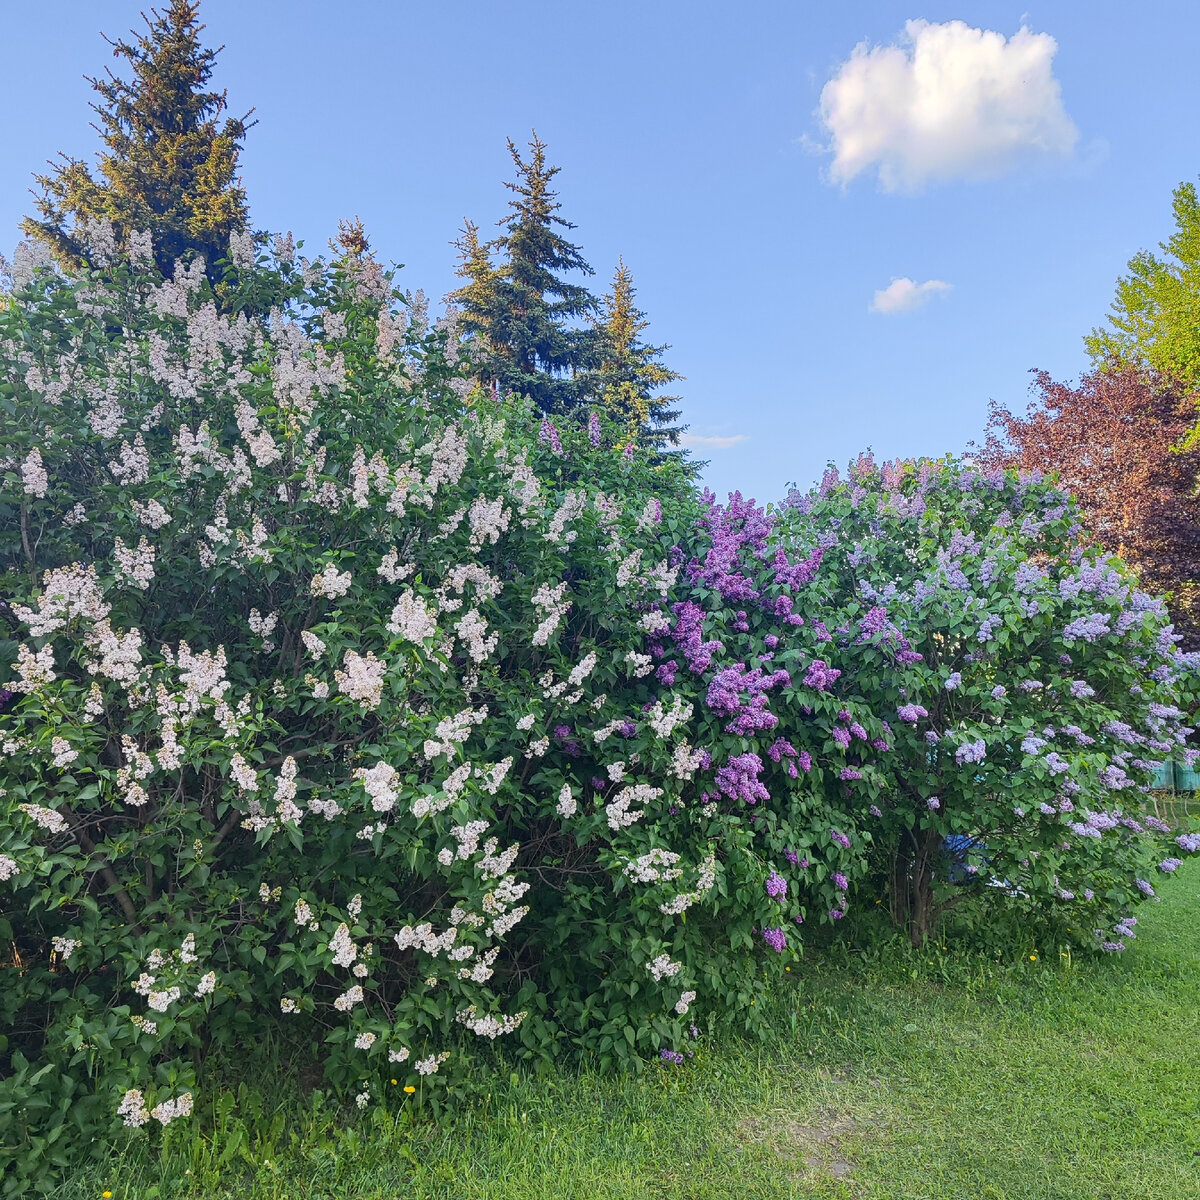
x=781, y=749
x=971, y=752
x=548, y=434
x=820, y=675
x=688, y=635
x=776, y=939
x=1089, y=628
x=725, y=697
x=738, y=779
x=731, y=527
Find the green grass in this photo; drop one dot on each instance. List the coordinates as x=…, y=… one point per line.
x=926, y=1076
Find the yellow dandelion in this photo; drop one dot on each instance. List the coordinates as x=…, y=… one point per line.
x=394, y=1082
x=1033, y=958
x=408, y=1087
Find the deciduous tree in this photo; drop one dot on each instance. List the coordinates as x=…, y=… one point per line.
x=1155, y=316
x=1113, y=442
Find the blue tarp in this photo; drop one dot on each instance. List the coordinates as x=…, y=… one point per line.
x=961, y=850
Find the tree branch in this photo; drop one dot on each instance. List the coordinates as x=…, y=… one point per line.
x=105, y=871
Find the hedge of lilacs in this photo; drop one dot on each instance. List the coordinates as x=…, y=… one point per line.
x=1032, y=690
x=341, y=698
x=345, y=698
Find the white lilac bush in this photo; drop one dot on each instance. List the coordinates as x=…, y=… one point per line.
x=1031, y=689
x=337, y=699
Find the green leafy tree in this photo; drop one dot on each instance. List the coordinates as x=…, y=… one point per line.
x=1155, y=316
x=630, y=370
x=168, y=165
x=524, y=310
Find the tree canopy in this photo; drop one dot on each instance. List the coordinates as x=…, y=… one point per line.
x=1155, y=316
x=169, y=165
x=522, y=309
x=629, y=370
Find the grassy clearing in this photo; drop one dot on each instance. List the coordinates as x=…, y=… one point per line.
x=908, y=1077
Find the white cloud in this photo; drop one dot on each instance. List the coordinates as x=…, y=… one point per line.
x=904, y=295
x=701, y=442
x=945, y=102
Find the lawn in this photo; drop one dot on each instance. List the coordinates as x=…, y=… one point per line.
x=910, y=1076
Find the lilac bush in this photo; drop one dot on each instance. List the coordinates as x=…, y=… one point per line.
x=1032, y=689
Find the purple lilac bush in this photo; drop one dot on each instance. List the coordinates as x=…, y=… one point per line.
x=1032, y=689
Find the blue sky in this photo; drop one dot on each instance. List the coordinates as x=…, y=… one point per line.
x=1021, y=172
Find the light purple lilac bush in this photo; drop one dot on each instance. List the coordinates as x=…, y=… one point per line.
x=1032, y=690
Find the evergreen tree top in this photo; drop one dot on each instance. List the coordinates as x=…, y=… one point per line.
x=168, y=164
x=516, y=302
x=536, y=254
x=629, y=371
x=623, y=321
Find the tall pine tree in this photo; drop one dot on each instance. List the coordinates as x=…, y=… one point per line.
x=522, y=310
x=167, y=165
x=629, y=370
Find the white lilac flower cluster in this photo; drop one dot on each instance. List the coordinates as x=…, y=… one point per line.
x=411, y=619
x=331, y=583
x=552, y=607
x=488, y=1026
x=663, y=968
x=706, y=877
x=361, y=678
x=654, y=866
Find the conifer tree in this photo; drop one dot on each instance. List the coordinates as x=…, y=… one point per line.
x=522, y=309
x=167, y=165
x=629, y=370
x=476, y=299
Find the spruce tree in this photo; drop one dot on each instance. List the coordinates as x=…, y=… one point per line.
x=629, y=370
x=523, y=310
x=167, y=166
x=476, y=299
